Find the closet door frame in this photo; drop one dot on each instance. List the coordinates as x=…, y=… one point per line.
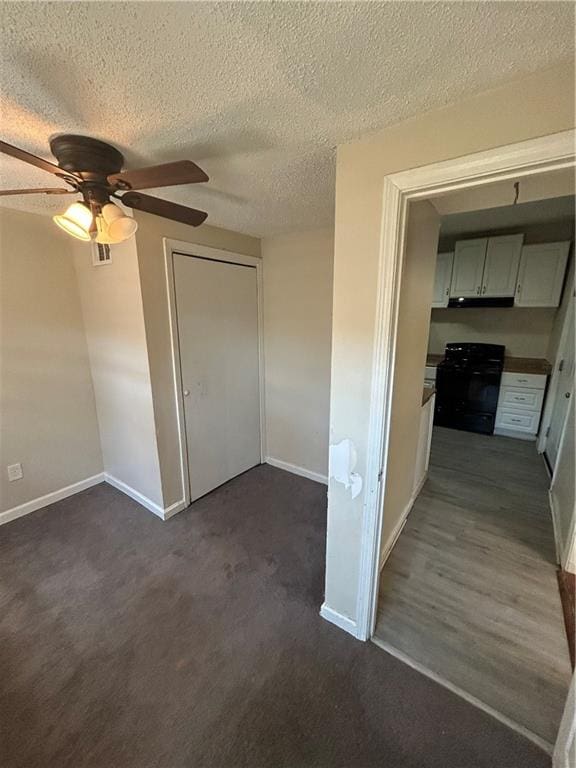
x=215, y=254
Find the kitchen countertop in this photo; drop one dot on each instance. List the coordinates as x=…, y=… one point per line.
x=427, y=394
x=511, y=364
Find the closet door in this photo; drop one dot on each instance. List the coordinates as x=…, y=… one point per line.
x=217, y=314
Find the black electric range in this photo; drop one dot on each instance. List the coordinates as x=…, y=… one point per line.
x=467, y=387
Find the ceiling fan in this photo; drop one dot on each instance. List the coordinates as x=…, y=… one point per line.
x=93, y=169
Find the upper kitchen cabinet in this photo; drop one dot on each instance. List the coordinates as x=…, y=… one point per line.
x=442, y=278
x=501, y=266
x=541, y=274
x=468, y=269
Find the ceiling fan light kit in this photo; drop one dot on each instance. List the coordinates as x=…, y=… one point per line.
x=76, y=221
x=94, y=169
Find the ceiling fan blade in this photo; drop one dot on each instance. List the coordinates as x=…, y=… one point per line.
x=40, y=191
x=167, y=175
x=164, y=208
x=39, y=162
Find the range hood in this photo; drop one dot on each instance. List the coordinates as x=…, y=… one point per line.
x=463, y=303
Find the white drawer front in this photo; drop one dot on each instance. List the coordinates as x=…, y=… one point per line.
x=521, y=399
x=533, y=380
x=517, y=421
x=430, y=372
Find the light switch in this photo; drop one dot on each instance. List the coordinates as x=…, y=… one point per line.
x=14, y=472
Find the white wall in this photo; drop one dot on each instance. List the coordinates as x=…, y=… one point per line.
x=525, y=332
x=48, y=414
x=298, y=328
x=540, y=104
x=114, y=322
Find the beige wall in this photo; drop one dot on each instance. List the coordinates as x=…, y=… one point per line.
x=48, y=415
x=567, y=292
x=149, y=242
x=298, y=328
x=413, y=321
x=114, y=321
x=535, y=106
x=525, y=332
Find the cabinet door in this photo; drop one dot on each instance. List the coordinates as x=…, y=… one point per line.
x=541, y=274
x=468, y=268
x=501, y=265
x=442, y=279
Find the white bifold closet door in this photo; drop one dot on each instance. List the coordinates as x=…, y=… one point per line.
x=217, y=311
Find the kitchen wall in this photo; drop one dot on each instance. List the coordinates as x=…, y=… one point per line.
x=413, y=319
x=558, y=324
x=149, y=243
x=47, y=408
x=525, y=332
x=540, y=104
x=298, y=327
x=114, y=322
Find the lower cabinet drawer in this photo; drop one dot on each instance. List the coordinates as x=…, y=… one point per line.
x=521, y=398
x=517, y=421
x=534, y=380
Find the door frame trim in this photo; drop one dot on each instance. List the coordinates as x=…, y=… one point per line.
x=187, y=248
x=507, y=163
x=553, y=386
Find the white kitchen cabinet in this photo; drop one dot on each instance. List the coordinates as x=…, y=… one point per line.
x=501, y=266
x=520, y=405
x=469, y=257
x=541, y=274
x=442, y=278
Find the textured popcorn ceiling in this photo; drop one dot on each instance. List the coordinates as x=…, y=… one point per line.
x=258, y=94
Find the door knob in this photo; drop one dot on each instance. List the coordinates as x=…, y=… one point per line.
x=186, y=392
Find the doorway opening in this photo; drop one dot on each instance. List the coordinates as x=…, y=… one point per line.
x=469, y=591
x=410, y=201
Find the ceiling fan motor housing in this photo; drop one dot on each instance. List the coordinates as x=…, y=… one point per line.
x=94, y=159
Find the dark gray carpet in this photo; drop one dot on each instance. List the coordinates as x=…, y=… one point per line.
x=127, y=642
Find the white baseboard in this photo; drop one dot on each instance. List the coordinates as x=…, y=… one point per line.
x=50, y=498
x=296, y=470
x=393, y=538
x=82, y=485
x=136, y=495
x=173, y=509
x=348, y=625
x=513, y=433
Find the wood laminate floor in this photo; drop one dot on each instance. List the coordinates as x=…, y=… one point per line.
x=470, y=591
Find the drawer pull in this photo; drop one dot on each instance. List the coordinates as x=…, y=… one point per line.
x=523, y=381
x=517, y=421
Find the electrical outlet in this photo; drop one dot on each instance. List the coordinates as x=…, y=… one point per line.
x=14, y=472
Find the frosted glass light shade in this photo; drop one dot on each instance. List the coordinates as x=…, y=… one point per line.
x=76, y=221
x=119, y=227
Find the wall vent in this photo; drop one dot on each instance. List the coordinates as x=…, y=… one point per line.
x=101, y=254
